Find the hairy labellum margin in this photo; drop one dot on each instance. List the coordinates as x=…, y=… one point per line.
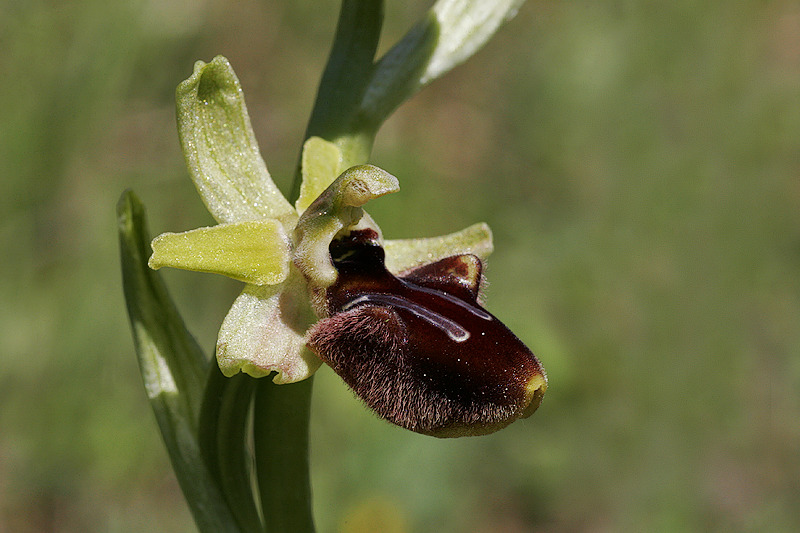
x=419, y=349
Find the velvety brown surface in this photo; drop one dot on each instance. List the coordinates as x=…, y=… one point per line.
x=418, y=348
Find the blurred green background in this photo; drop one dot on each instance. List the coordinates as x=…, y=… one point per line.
x=638, y=161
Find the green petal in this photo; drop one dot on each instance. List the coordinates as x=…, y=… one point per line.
x=220, y=147
x=255, y=252
x=264, y=332
x=322, y=162
x=403, y=254
x=337, y=208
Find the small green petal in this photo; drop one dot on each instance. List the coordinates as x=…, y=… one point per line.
x=403, y=254
x=220, y=147
x=255, y=252
x=264, y=332
x=336, y=209
x=321, y=163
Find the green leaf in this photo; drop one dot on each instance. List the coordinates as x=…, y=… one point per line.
x=256, y=252
x=464, y=27
x=173, y=368
x=221, y=150
x=451, y=32
x=402, y=254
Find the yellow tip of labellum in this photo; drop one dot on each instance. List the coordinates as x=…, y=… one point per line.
x=535, y=390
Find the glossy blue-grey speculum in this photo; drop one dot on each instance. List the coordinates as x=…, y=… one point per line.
x=418, y=348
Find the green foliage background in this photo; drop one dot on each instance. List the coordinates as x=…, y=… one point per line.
x=638, y=162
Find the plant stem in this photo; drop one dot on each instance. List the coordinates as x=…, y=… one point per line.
x=280, y=432
x=281, y=412
x=223, y=439
x=336, y=116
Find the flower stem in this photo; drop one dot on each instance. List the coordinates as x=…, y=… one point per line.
x=281, y=412
x=224, y=443
x=280, y=432
x=336, y=116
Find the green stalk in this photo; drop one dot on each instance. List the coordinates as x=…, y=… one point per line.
x=224, y=443
x=336, y=116
x=280, y=433
x=281, y=412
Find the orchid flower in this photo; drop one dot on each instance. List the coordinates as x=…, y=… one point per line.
x=301, y=306
x=401, y=322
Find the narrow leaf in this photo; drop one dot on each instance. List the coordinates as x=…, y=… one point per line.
x=451, y=32
x=464, y=27
x=173, y=368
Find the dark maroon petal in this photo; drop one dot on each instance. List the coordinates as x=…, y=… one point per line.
x=419, y=350
x=459, y=275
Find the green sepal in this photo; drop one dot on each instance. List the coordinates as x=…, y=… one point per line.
x=255, y=252
x=221, y=150
x=264, y=332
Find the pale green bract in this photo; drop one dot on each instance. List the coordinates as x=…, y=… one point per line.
x=279, y=251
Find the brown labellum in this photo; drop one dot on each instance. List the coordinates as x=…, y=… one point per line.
x=419, y=349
